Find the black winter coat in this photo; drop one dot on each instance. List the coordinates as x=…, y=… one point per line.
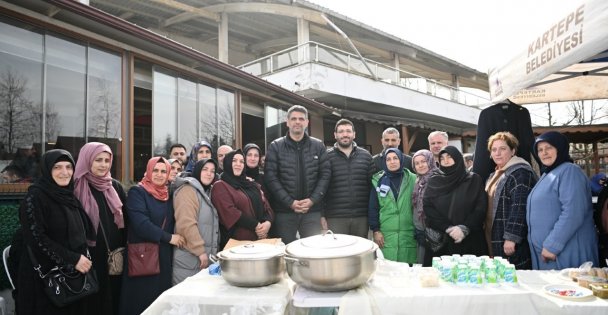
x=502, y=117
x=348, y=192
x=296, y=171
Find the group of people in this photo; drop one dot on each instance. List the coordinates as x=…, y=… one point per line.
x=76, y=213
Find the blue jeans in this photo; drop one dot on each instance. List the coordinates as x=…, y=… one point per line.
x=286, y=225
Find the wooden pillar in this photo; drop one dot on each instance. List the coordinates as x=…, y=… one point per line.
x=405, y=139
x=596, y=158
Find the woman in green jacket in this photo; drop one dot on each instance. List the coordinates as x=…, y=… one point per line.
x=390, y=209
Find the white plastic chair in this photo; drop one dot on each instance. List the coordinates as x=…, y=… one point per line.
x=5, y=255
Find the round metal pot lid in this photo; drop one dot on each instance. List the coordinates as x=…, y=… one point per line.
x=252, y=251
x=329, y=245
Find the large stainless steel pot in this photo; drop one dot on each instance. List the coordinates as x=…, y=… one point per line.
x=252, y=265
x=331, y=262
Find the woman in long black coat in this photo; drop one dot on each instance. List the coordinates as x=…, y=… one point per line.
x=453, y=187
x=103, y=199
x=55, y=227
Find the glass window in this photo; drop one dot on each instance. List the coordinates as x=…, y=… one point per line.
x=208, y=114
x=225, y=117
x=21, y=55
x=186, y=111
x=65, y=94
x=164, y=105
x=275, y=123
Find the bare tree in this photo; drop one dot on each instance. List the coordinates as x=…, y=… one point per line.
x=582, y=113
x=16, y=110
x=105, y=117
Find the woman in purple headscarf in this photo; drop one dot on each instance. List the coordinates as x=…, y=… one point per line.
x=423, y=162
x=103, y=199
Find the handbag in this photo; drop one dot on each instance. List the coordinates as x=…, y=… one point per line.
x=115, y=257
x=436, y=240
x=65, y=286
x=143, y=258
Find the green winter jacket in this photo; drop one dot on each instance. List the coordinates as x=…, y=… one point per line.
x=396, y=220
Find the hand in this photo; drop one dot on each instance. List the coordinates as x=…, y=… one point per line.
x=204, y=259
x=177, y=240
x=261, y=230
x=295, y=206
x=455, y=233
x=509, y=248
x=547, y=255
x=84, y=264
x=379, y=239
x=324, y=224
x=306, y=204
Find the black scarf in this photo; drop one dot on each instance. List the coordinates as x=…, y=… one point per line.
x=79, y=226
x=250, y=188
x=198, y=168
x=447, y=178
x=560, y=142
x=253, y=172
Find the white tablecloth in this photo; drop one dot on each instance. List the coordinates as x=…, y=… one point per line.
x=205, y=294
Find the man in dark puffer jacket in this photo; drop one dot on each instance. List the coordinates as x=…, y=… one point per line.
x=296, y=176
x=347, y=197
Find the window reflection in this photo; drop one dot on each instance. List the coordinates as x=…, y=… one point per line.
x=208, y=114
x=186, y=111
x=226, y=119
x=164, y=111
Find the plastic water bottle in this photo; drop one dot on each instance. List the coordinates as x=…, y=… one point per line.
x=510, y=274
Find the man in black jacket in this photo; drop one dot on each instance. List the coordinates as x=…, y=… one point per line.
x=296, y=175
x=390, y=139
x=347, y=197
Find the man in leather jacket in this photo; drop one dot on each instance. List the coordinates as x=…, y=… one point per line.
x=297, y=174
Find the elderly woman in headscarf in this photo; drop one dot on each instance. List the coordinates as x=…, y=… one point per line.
x=176, y=168
x=151, y=219
x=508, y=188
x=561, y=232
x=455, y=203
x=200, y=150
x=423, y=163
x=252, y=154
x=196, y=219
x=103, y=199
x=241, y=205
x=56, y=229
x=390, y=209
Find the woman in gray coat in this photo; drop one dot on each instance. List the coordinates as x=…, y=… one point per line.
x=196, y=219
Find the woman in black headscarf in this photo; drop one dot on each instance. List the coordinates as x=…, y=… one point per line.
x=57, y=229
x=455, y=203
x=243, y=210
x=252, y=154
x=196, y=219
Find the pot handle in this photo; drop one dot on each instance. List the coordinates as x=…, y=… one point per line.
x=332, y=234
x=214, y=258
x=292, y=260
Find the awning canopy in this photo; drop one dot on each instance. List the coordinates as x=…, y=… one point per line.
x=568, y=61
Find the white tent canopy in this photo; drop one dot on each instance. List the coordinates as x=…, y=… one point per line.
x=568, y=61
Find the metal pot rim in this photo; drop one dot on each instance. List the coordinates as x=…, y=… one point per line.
x=252, y=251
x=329, y=245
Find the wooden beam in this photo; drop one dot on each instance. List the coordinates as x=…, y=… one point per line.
x=405, y=139
x=596, y=158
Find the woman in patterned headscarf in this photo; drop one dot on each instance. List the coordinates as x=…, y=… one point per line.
x=151, y=219
x=423, y=162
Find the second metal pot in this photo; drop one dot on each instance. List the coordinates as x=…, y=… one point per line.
x=331, y=262
x=252, y=265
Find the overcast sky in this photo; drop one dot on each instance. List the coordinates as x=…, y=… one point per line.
x=481, y=34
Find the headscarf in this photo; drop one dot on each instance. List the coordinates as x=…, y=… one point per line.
x=447, y=178
x=158, y=192
x=64, y=196
x=392, y=176
x=198, y=169
x=421, y=181
x=241, y=182
x=252, y=172
x=83, y=178
x=560, y=142
x=193, y=154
